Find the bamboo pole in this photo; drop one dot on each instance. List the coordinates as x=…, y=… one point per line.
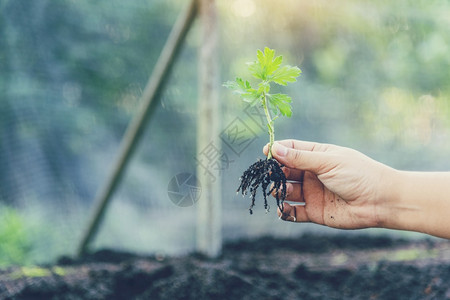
x=209, y=231
x=149, y=102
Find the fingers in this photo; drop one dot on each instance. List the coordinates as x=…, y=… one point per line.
x=301, y=159
x=293, y=174
x=293, y=192
x=301, y=145
x=293, y=213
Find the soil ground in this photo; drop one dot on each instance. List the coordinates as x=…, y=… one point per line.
x=309, y=267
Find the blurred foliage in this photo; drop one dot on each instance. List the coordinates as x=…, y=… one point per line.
x=357, y=56
x=375, y=77
x=15, y=244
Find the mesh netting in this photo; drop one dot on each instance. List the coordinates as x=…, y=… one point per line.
x=71, y=79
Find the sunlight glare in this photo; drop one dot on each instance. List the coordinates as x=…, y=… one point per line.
x=244, y=8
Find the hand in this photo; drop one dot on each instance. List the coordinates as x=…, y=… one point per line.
x=335, y=186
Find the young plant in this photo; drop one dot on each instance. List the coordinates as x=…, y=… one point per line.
x=267, y=70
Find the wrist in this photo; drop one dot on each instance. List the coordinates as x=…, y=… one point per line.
x=396, y=210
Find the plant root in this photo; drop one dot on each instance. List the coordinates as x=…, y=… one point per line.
x=262, y=173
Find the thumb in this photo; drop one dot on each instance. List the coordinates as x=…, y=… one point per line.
x=306, y=160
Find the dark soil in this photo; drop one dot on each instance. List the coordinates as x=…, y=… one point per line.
x=309, y=267
x=261, y=174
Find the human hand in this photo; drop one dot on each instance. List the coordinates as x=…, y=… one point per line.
x=336, y=186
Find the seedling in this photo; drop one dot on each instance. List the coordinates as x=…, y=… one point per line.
x=267, y=69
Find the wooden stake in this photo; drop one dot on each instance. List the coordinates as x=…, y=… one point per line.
x=149, y=102
x=209, y=225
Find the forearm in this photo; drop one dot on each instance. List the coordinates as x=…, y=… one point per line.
x=418, y=201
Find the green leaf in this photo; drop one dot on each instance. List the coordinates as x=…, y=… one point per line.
x=238, y=86
x=282, y=102
x=232, y=85
x=274, y=65
x=285, y=109
x=286, y=74
x=267, y=67
x=262, y=57
x=266, y=64
x=251, y=97
x=243, y=89
x=256, y=70
x=263, y=87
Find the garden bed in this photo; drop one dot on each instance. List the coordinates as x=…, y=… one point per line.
x=309, y=267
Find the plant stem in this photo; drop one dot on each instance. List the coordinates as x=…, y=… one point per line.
x=269, y=125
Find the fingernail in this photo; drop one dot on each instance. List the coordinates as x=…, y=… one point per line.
x=279, y=149
x=289, y=189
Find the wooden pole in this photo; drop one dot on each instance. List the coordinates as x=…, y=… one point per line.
x=209, y=231
x=149, y=102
